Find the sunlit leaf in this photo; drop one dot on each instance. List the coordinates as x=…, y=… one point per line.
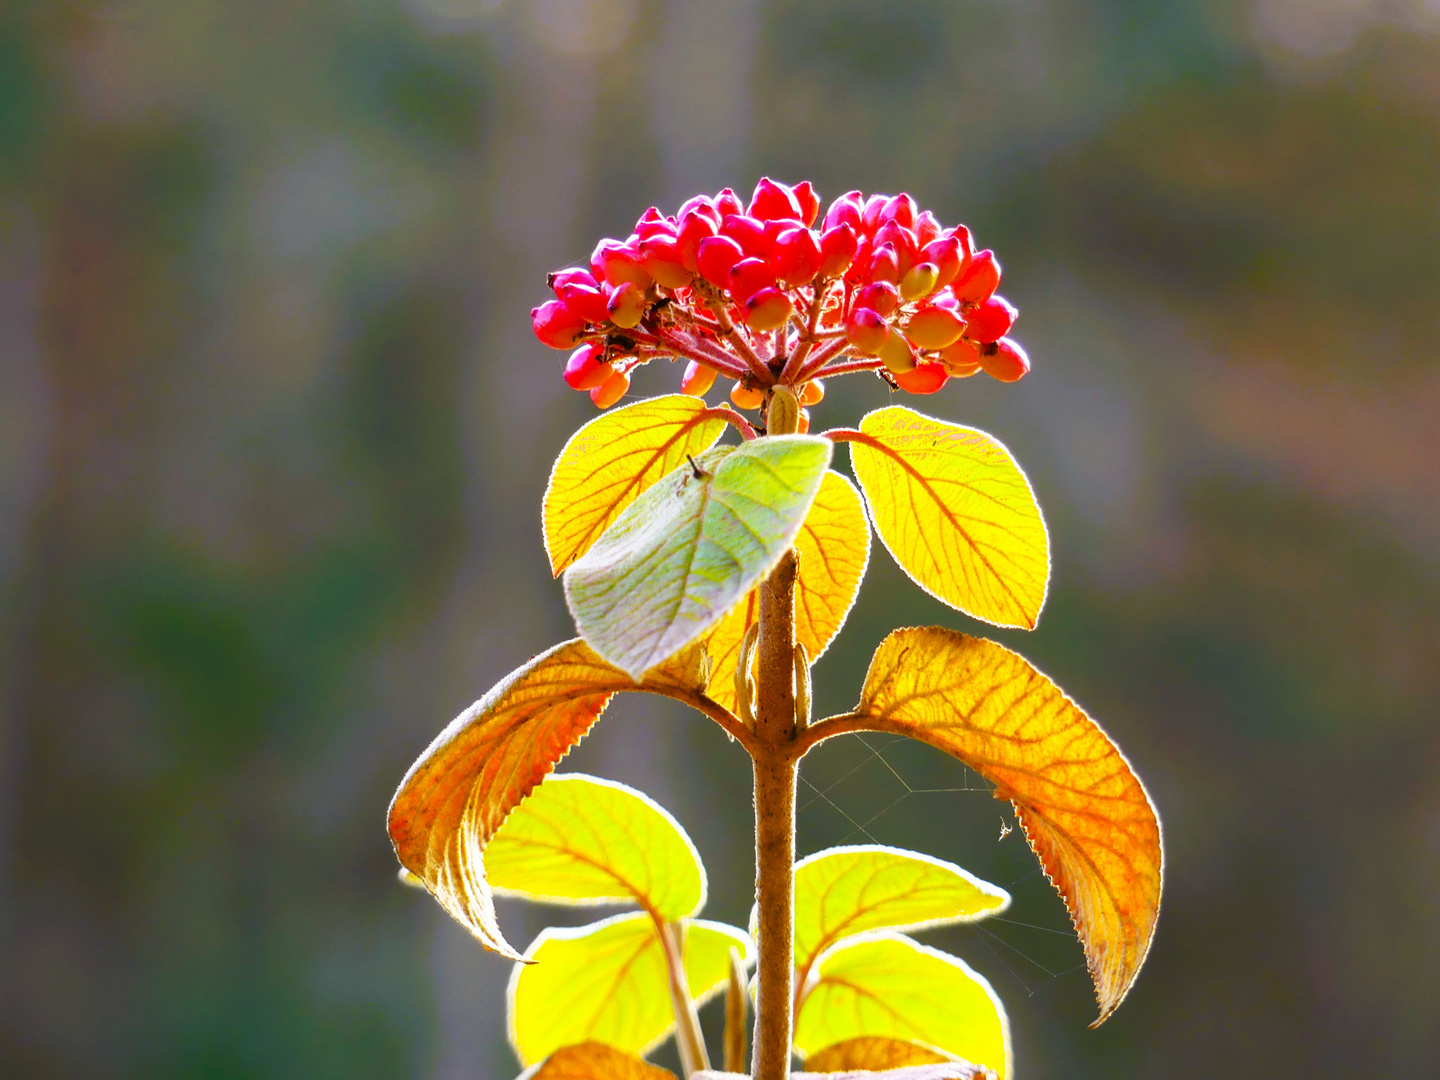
x=848, y=890
x=457, y=794
x=1083, y=809
x=834, y=547
x=885, y=984
x=608, y=981
x=691, y=547
x=581, y=839
x=871, y=1054
x=596, y=1061
x=610, y=461
x=956, y=512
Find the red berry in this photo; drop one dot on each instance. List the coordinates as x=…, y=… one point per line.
x=870, y=215
x=907, y=251
x=660, y=256
x=838, y=246
x=945, y=254
x=880, y=297
x=727, y=203
x=979, y=280
x=772, y=201
x=717, y=254
x=990, y=320
x=611, y=390
x=797, y=257
x=618, y=263
x=749, y=276
x=572, y=275
x=845, y=211
x=809, y=200
x=592, y=305
x=962, y=359
x=867, y=330
x=860, y=266
x=585, y=370
x=556, y=325
x=919, y=281
x=927, y=228
x=748, y=232
x=653, y=223
x=1004, y=360
x=700, y=204
x=933, y=328
x=885, y=264
x=697, y=380
x=627, y=306
x=694, y=227
x=767, y=309
x=901, y=210
x=924, y=379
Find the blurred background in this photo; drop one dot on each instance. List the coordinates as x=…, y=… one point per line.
x=274, y=432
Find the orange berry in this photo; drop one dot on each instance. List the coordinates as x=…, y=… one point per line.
x=978, y=280
x=1004, y=360
x=697, y=380
x=934, y=328
x=962, y=359
x=611, y=390
x=767, y=309
x=745, y=398
x=898, y=353
x=804, y=426
x=627, y=306
x=812, y=392
x=924, y=379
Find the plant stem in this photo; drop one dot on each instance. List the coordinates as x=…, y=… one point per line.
x=688, y=1039
x=776, y=768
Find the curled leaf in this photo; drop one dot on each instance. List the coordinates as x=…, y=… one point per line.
x=596, y=1061
x=834, y=547
x=607, y=981
x=872, y=1053
x=844, y=891
x=685, y=552
x=610, y=461
x=581, y=839
x=459, y=792
x=885, y=984
x=1084, y=811
x=956, y=512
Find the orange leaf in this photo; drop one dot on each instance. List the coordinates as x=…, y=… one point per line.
x=1083, y=809
x=596, y=1061
x=459, y=792
x=834, y=547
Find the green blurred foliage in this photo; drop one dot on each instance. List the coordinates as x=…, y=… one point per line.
x=273, y=436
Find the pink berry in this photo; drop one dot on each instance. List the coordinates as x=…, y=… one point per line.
x=879, y=296
x=694, y=227
x=907, y=251
x=945, y=254
x=773, y=201
x=809, y=200
x=901, y=210
x=870, y=216
x=573, y=275
x=979, y=280
x=927, y=228
x=661, y=258
x=556, y=325
x=845, y=211
x=797, y=257
x=867, y=330
x=717, y=254
x=885, y=264
x=727, y=203
x=990, y=320
x=748, y=232
x=585, y=370
x=749, y=276
x=592, y=305
x=838, y=246
x=1004, y=360
x=767, y=309
x=860, y=266
x=699, y=204
x=618, y=263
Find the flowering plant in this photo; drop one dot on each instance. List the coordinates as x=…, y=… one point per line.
x=716, y=574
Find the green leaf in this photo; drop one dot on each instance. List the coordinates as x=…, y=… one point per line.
x=610, y=461
x=580, y=839
x=596, y=1061
x=607, y=981
x=848, y=890
x=885, y=984
x=691, y=547
x=956, y=512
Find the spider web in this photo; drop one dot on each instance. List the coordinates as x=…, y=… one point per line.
x=871, y=788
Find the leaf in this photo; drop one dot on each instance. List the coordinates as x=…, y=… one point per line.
x=607, y=981
x=848, y=890
x=1083, y=809
x=610, y=461
x=691, y=547
x=885, y=984
x=459, y=792
x=956, y=512
x=596, y=1061
x=872, y=1054
x=834, y=547
x=581, y=839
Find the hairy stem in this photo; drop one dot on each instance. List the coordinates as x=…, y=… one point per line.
x=776, y=768
x=687, y=1023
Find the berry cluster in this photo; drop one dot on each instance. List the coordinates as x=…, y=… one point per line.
x=760, y=295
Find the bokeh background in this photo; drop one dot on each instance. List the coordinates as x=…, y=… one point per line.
x=274, y=432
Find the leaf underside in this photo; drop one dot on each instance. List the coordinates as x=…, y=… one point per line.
x=956, y=513
x=596, y=1061
x=1083, y=809
x=611, y=461
x=690, y=548
x=607, y=981
x=458, y=793
x=872, y=1053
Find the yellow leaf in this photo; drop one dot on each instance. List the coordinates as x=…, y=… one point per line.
x=456, y=795
x=607, y=981
x=1083, y=809
x=580, y=839
x=847, y=890
x=610, y=461
x=834, y=547
x=956, y=512
x=884, y=984
x=872, y=1054
x=596, y=1061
